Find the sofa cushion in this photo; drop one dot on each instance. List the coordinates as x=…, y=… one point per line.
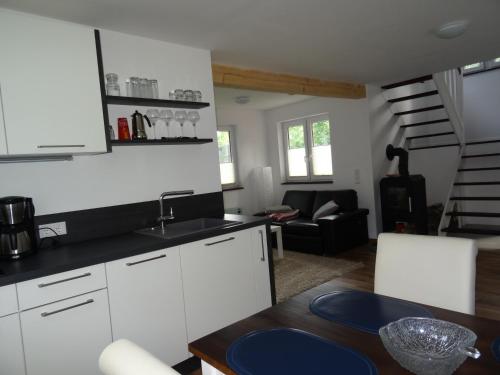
x=301, y=226
x=328, y=208
x=301, y=199
x=346, y=199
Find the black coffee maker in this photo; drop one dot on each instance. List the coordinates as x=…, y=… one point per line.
x=17, y=227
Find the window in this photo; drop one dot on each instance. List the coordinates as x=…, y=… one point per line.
x=308, y=151
x=482, y=66
x=227, y=156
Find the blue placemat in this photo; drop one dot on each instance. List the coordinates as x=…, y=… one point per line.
x=292, y=351
x=495, y=348
x=365, y=311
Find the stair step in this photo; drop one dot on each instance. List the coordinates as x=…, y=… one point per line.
x=479, y=169
x=473, y=214
x=482, y=142
x=474, y=198
x=430, y=135
x=480, y=155
x=418, y=110
x=426, y=123
x=407, y=82
x=435, y=146
x=472, y=231
x=477, y=183
x=414, y=96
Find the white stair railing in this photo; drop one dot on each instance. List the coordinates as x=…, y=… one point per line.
x=443, y=222
x=450, y=87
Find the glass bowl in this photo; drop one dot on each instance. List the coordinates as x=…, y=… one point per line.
x=428, y=346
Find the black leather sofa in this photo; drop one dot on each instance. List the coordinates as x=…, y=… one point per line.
x=343, y=230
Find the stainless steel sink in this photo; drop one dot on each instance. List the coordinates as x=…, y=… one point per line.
x=184, y=228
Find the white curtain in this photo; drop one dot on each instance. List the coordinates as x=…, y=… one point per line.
x=262, y=188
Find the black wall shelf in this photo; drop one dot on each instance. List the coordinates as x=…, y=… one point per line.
x=146, y=102
x=169, y=141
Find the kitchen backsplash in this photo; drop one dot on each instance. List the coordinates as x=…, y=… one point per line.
x=107, y=221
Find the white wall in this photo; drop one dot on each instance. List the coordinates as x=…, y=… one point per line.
x=351, y=147
x=482, y=105
x=251, y=149
x=129, y=174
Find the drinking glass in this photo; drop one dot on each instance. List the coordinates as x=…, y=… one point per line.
x=143, y=87
x=112, y=86
x=194, y=117
x=135, y=87
x=180, y=117
x=189, y=95
x=154, y=88
x=167, y=115
x=154, y=115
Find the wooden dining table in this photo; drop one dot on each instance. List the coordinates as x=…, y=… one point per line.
x=295, y=313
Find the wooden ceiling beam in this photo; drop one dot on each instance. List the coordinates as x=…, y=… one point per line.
x=228, y=76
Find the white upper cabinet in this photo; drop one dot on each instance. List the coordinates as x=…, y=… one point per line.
x=50, y=90
x=147, y=304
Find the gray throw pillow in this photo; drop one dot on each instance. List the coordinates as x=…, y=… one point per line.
x=328, y=208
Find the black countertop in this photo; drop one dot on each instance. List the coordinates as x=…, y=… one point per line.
x=87, y=253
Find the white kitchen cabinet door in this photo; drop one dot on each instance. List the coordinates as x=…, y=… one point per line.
x=50, y=86
x=67, y=337
x=8, y=300
x=147, y=305
x=261, y=268
x=3, y=141
x=11, y=347
x=217, y=275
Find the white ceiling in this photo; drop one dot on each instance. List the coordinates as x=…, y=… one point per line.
x=224, y=98
x=353, y=40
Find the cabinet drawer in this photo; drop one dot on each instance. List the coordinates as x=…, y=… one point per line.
x=8, y=300
x=67, y=337
x=59, y=286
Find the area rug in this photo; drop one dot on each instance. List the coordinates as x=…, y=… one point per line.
x=297, y=272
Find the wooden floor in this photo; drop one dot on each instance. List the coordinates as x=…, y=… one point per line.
x=487, y=278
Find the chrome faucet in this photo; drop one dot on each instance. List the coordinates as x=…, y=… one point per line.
x=162, y=219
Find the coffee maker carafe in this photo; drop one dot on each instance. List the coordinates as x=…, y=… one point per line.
x=17, y=227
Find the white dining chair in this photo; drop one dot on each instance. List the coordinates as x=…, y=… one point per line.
x=436, y=271
x=123, y=357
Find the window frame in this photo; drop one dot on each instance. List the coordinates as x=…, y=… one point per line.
x=485, y=66
x=306, y=122
x=234, y=156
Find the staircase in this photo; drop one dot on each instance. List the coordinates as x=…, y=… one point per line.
x=428, y=110
x=474, y=210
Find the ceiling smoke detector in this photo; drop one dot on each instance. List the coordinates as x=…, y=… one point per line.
x=452, y=29
x=244, y=99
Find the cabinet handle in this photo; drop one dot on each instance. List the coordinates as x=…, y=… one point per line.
x=43, y=285
x=44, y=314
x=58, y=146
x=216, y=242
x=146, y=260
x=263, y=257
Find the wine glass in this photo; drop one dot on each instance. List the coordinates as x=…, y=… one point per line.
x=167, y=115
x=154, y=115
x=180, y=117
x=194, y=117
